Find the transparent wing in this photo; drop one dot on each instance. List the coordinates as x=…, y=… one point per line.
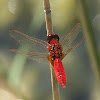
x=39, y=57
x=65, y=53
x=29, y=43
x=73, y=39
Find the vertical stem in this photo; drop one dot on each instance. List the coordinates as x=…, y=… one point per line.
x=55, y=87
x=88, y=32
x=48, y=19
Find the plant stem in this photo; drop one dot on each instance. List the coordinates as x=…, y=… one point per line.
x=48, y=19
x=55, y=87
x=89, y=35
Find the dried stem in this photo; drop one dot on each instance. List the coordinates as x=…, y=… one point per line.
x=48, y=19
x=90, y=38
x=55, y=87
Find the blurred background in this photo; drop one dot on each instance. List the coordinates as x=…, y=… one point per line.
x=24, y=79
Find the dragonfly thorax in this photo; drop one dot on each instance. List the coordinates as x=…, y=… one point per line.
x=55, y=49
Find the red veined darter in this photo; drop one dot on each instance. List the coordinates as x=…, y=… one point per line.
x=52, y=51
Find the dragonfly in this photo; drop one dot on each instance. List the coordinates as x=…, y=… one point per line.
x=51, y=52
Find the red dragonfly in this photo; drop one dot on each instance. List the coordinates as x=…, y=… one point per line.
x=51, y=51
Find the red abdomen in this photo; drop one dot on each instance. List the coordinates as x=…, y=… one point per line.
x=60, y=72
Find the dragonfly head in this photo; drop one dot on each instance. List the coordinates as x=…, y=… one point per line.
x=52, y=36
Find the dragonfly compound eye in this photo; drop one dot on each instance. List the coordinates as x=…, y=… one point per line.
x=52, y=36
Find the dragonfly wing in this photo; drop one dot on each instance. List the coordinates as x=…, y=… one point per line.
x=65, y=53
x=29, y=43
x=72, y=40
x=39, y=57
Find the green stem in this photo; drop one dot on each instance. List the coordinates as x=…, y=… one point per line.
x=89, y=35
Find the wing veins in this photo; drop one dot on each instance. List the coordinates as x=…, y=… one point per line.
x=73, y=47
x=71, y=33
x=31, y=53
x=28, y=37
